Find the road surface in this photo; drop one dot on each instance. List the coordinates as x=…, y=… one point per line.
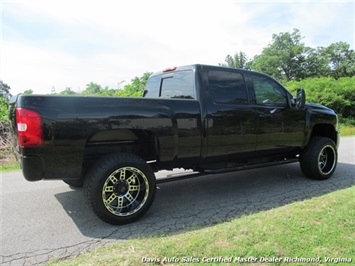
x=47, y=219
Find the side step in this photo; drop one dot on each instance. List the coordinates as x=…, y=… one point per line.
x=248, y=167
x=190, y=174
x=179, y=176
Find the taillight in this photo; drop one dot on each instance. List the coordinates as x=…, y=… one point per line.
x=29, y=128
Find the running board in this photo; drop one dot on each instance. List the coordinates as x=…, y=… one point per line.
x=252, y=166
x=182, y=176
x=176, y=177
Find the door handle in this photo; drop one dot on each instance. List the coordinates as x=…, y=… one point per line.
x=268, y=113
x=265, y=115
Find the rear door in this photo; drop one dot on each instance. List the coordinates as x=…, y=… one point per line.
x=229, y=117
x=177, y=90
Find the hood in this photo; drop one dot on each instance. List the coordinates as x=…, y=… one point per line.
x=319, y=108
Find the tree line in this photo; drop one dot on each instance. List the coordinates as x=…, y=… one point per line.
x=326, y=73
x=133, y=89
x=286, y=58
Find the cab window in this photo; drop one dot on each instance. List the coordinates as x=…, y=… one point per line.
x=267, y=91
x=152, y=88
x=226, y=87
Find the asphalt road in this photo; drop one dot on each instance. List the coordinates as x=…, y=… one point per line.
x=47, y=219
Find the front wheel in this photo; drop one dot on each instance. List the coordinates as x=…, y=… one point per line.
x=120, y=188
x=319, y=159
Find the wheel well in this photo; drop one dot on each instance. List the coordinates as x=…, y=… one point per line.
x=142, y=143
x=324, y=130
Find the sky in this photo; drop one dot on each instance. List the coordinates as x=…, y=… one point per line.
x=48, y=45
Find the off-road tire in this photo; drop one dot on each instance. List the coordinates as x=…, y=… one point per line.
x=319, y=159
x=120, y=188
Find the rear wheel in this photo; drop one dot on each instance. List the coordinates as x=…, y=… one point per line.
x=319, y=159
x=120, y=188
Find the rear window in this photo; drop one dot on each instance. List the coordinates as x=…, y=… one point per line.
x=179, y=85
x=173, y=85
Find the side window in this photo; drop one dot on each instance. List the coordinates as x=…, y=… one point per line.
x=268, y=92
x=179, y=85
x=227, y=87
x=152, y=88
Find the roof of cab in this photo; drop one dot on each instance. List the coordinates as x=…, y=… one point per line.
x=195, y=66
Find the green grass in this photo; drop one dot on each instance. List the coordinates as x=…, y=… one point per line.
x=322, y=227
x=10, y=166
x=346, y=130
x=346, y=126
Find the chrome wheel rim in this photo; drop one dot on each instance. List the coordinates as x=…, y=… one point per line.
x=125, y=191
x=326, y=160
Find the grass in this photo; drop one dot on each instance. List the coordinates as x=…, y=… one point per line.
x=346, y=130
x=322, y=227
x=346, y=126
x=9, y=165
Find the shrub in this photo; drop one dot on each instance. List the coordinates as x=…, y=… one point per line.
x=5, y=142
x=336, y=94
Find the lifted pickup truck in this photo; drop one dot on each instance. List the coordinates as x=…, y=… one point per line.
x=205, y=118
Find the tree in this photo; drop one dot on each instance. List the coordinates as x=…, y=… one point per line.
x=68, y=91
x=28, y=91
x=5, y=96
x=239, y=60
x=92, y=89
x=340, y=58
x=136, y=87
x=314, y=66
x=285, y=57
x=5, y=91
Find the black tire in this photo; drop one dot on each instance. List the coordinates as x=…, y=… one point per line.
x=120, y=188
x=319, y=159
x=75, y=183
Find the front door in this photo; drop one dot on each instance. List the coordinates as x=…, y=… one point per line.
x=278, y=125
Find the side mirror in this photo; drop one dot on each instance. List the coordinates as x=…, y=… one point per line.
x=300, y=100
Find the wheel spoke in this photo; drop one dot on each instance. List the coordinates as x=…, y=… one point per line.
x=113, y=179
x=110, y=199
x=120, y=202
x=132, y=178
x=322, y=159
x=108, y=189
x=133, y=188
x=123, y=174
x=129, y=197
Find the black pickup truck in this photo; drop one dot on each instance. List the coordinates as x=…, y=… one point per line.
x=205, y=118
